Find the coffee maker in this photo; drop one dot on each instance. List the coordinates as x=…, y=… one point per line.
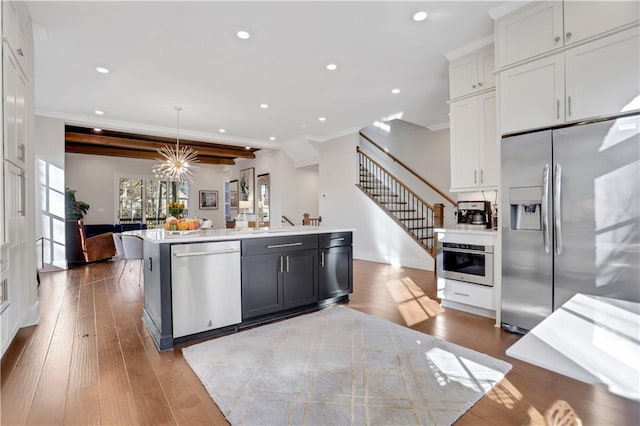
x=473, y=215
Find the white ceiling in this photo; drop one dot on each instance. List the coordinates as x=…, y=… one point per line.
x=166, y=54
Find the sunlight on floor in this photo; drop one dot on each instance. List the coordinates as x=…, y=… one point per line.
x=414, y=305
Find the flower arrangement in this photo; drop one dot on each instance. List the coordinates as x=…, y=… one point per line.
x=175, y=209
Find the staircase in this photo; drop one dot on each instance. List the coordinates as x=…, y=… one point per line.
x=417, y=217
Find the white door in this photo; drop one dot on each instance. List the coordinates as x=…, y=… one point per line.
x=532, y=95
x=529, y=31
x=603, y=77
x=584, y=19
x=465, y=139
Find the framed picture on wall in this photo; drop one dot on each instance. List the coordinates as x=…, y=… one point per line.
x=247, y=186
x=208, y=200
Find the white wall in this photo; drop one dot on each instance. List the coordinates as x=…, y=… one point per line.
x=376, y=237
x=95, y=178
x=294, y=191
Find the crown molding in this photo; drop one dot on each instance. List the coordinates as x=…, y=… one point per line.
x=469, y=48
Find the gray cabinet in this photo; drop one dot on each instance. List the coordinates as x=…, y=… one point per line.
x=278, y=273
x=336, y=265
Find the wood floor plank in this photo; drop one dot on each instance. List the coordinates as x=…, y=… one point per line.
x=49, y=400
x=83, y=407
x=119, y=410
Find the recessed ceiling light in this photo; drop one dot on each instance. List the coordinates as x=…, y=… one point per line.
x=264, y=106
x=332, y=67
x=98, y=112
x=95, y=129
x=102, y=70
x=222, y=130
x=247, y=148
x=272, y=138
x=243, y=35
x=395, y=91
x=420, y=16
x=322, y=118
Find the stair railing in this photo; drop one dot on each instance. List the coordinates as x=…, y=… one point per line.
x=416, y=216
x=409, y=169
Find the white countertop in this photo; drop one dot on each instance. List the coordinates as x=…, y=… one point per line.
x=466, y=231
x=160, y=236
x=591, y=339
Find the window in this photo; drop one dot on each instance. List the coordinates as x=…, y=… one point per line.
x=145, y=200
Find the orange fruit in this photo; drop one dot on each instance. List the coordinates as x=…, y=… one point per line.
x=183, y=226
x=191, y=225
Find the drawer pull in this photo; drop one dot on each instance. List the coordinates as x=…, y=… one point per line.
x=206, y=253
x=338, y=239
x=284, y=245
x=461, y=294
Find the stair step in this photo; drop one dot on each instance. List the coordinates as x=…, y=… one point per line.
x=385, y=195
x=393, y=202
x=401, y=210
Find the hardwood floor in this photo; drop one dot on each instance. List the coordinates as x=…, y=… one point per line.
x=91, y=360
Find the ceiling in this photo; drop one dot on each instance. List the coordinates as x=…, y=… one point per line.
x=166, y=54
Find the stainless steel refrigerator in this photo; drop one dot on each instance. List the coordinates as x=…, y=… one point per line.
x=571, y=217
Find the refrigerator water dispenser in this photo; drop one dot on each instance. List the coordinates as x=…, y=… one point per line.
x=526, y=207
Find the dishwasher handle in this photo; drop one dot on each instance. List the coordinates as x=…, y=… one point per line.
x=206, y=253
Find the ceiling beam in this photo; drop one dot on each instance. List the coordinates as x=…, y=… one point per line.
x=81, y=148
x=142, y=145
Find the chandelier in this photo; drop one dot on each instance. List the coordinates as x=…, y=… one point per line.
x=176, y=163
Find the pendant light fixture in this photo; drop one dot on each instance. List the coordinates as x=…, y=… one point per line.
x=176, y=163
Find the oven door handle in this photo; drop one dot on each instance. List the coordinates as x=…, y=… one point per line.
x=451, y=250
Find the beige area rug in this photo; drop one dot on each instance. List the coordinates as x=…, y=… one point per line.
x=339, y=366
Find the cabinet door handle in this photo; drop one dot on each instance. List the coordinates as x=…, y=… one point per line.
x=461, y=294
x=481, y=175
x=473, y=86
x=557, y=39
x=338, y=239
x=479, y=84
x=569, y=105
x=322, y=259
x=281, y=264
x=21, y=150
x=558, y=109
x=20, y=52
x=287, y=263
x=569, y=35
x=150, y=263
x=475, y=176
x=22, y=183
x=284, y=245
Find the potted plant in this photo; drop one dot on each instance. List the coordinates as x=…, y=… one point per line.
x=74, y=209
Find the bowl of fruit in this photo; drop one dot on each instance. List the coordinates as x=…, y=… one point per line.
x=181, y=226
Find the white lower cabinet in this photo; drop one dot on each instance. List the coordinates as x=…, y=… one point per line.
x=470, y=294
x=474, y=152
x=595, y=79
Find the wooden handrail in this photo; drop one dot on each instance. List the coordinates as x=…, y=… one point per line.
x=410, y=170
x=288, y=221
x=419, y=198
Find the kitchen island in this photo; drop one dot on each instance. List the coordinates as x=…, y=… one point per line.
x=212, y=281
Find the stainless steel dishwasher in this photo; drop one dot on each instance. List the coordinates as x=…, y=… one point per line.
x=205, y=286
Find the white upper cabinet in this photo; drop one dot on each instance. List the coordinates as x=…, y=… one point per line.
x=585, y=19
x=541, y=27
x=532, y=95
x=15, y=29
x=596, y=79
x=15, y=89
x=472, y=74
x=529, y=31
x=603, y=77
x=474, y=152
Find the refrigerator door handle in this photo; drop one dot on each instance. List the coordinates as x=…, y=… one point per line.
x=557, y=206
x=545, y=208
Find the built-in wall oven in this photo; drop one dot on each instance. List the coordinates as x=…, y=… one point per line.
x=467, y=262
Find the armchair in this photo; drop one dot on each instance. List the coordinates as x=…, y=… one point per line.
x=81, y=249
